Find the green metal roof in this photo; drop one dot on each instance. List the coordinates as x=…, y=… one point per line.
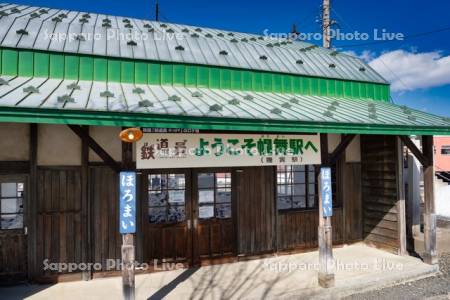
x=59, y=101
x=63, y=31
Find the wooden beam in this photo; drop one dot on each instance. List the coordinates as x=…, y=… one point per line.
x=401, y=208
x=127, y=156
x=33, y=265
x=84, y=136
x=324, y=149
x=345, y=142
x=85, y=208
x=413, y=148
x=430, y=255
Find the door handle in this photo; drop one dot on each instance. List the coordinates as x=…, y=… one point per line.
x=25, y=230
x=195, y=223
x=189, y=224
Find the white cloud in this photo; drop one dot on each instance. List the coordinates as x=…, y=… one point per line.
x=408, y=71
x=366, y=55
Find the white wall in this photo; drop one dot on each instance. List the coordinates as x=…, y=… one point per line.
x=333, y=141
x=15, y=143
x=108, y=139
x=353, y=151
x=58, y=146
x=442, y=198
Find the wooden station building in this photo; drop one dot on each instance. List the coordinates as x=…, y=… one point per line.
x=71, y=81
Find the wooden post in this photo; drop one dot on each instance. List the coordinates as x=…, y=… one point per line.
x=430, y=255
x=401, y=210
x=414, y=195
x=32, y=214
x=326, y=262
x=128, y=266
x=86, y=208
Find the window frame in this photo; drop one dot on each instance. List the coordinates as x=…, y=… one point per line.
x=215, y=188
x=445, y=148
x=167, y=205
x=15, y=179
x=336, y=202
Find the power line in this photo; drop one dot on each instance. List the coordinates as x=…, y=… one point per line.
x=380, y=57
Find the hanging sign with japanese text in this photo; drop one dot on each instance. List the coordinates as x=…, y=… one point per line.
x=127, y=218
x=166, y=150
x=327, y=193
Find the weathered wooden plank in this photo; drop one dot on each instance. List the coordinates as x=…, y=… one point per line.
x=400, y=205
x=380, y=191
x=430, y=255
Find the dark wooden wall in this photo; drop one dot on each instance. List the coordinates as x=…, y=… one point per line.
x=352, y=205
x=13, y=248
x=104, y=199
x=298, y=230
x=256, y=210
x=379, y=190
x=59, y=237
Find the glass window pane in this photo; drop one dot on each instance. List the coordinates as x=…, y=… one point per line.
x=157, y=215
x=300, y=168
x=176, y=181
x=284, y=203
x=284, y=190
x=223, y=195
x=223, y=211
x=299, y=177
x=223, y=179
x=9, y=189
x=11, y=221
x=300, y=190
x=282, y=168
x=176, y=196
x=11, y=206
x=206, y=211
x=311, y=201
x=206, y=196
x=155, y=182
x=299, y=202
x=157, y=199
x=205, y=180
x=20, y=189
x=176, y=214
x=281, y=178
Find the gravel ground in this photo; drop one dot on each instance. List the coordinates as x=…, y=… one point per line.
x=432, y=288
x=436, y=288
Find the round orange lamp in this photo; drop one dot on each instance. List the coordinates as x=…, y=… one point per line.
x=131, y=135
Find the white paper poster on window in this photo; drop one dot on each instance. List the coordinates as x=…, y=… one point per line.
x=206, y=211
x=178, y=150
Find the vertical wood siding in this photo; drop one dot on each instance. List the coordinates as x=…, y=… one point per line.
x=352, y=214
x=256, y=210
x=59, y=216
x=103, y=190
x=379, y=186
x=298, y=230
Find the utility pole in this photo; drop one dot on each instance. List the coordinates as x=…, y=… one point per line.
x=157, y=11
x=326, y=24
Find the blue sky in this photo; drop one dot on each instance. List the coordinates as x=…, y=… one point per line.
x=419, y=68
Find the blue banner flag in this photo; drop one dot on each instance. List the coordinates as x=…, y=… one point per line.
x=127, y=202
x=327, y=193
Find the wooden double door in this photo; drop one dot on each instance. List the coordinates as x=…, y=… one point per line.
x=188, y=215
